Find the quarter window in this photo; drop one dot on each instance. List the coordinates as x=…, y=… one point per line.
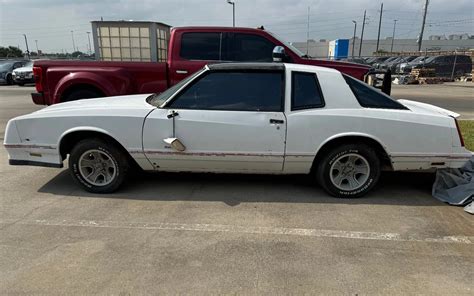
x=237, y=91
x=202, y=46
x=370, y=97
x=305, y=93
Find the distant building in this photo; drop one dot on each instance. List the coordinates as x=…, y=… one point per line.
x=437, y=37
x=320, y=48
x=464, y=36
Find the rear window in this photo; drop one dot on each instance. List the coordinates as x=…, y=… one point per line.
x=370, y=97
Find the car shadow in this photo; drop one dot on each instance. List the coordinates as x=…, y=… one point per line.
x=394, y=188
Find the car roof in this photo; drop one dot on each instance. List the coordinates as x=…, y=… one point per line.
x=247, y=66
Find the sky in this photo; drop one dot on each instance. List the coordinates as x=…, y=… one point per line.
x=50, y=22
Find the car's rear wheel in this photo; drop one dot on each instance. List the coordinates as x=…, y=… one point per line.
x=349, y=171
x=97, y=166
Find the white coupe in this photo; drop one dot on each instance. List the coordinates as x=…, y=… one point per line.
x=265, y=118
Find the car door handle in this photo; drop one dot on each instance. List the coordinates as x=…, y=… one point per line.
x=276, y=121
x=181, y=72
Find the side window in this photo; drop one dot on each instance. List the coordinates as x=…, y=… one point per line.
x=17, y=65
x=201, y=46
x=234, y=90
x=370, y=97
x=251, y=48
x=305, y=92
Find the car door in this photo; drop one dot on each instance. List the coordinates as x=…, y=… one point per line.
x=196, y=50
x=228, y=121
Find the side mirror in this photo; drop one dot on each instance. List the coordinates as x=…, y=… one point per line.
x=175, y=144
x=279, y=54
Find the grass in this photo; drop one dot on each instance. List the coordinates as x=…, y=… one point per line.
x=467, y=130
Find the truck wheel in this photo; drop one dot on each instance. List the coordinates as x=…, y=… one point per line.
x=81, y=94
x=349, y=171
x=9, y=79
x=97, y=166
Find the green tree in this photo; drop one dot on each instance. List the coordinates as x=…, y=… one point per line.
x=77, y=54
x=10, y=52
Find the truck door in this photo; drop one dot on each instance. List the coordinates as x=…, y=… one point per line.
x=194, y=50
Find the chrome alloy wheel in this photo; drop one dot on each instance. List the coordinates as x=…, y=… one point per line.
x=97, y=167
x=349, y=172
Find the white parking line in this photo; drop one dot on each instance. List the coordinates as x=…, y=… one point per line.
x=249, y=230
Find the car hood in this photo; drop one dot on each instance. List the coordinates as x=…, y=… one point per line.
x=23, y=69
x=107, y=103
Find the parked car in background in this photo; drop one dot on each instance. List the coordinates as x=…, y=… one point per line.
x=264, y=118
x=189, y=49
x=405, y=68
x=379, y=64
x=356, y=60
x=6, y=70
x=24, y=75
x=402, y=59
x=445, y=65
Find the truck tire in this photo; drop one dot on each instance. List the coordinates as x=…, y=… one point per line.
x=349, y=171
x=97, y=166
x=9, y=79
x=81, y=94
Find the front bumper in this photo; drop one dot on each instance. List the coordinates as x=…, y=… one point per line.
x=38, y=98
x=19, y=79
x=381, y=79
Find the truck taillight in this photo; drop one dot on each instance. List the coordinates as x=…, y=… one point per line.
x=38, y=74
x=459, y=132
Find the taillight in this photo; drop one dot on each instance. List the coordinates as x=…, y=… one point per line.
x=459, y=132
x=38, y=74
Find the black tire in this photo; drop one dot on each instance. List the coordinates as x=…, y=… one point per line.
x=9, y=79
x=21, y=83
x=118, y=158
x=323, y=170
x=81, y=94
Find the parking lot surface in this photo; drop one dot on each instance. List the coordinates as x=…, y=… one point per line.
x=205, y=233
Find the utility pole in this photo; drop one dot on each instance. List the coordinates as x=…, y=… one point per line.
x=362, y=34
x=393, y=35
x=380, y=26
x=73, y=43
x=27, y=49
x=89, y=38
x=420, y=38
x=37, y=50
x=233, y=11
x=307, y=36
x=354, y=38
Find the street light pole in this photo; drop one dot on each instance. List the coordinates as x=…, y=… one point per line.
x=362, y=33
x=27, y=49
x=233, y=11
x=73, y=43
x=89, y=38
x=393, y=35
x=354, y=38
x=37, y=51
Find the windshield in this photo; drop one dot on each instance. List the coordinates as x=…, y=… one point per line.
x=419, y=59
x=29, y=64
x=292, y=47
x=5, y=66
x=158, y=100
x=429, y=59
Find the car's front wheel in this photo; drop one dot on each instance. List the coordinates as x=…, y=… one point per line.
x=97, y=166
x=349, y=170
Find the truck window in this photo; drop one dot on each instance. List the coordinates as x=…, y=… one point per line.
x=251, y=48
x=234, y=91
x=202, y=46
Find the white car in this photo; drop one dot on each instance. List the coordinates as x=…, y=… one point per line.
x=24, y=75
x=265, y=118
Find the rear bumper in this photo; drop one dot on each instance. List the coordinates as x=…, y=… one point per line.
x=38, y=98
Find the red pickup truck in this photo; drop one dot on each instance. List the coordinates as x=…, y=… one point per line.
x=188, y=51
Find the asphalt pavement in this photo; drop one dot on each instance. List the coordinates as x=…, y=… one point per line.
x=226, y=234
